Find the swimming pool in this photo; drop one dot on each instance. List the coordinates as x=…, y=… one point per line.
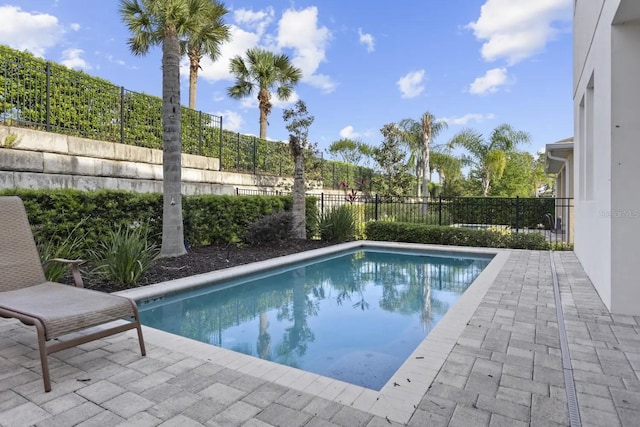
x=354, y=316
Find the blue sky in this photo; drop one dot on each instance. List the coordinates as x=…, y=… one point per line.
x=475, y=63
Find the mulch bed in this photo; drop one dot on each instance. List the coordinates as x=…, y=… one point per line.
x=210, y=258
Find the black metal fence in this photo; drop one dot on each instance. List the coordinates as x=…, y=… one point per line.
x=47, y=96
x=552, y=217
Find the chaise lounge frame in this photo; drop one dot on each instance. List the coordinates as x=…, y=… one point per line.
x=61, y=313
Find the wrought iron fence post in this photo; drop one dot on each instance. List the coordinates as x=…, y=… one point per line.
x=48, y=107
x=220, y=149
x=255, y=158
x=121, y=114
x=200, y=133
x=517, y=213
x=440, y=209
x=238, y=153
x=321, y=204
x=375, y=210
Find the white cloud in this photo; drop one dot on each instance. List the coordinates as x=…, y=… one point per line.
x=367, y=40
x=299, y=30
x=255, y=20
x=490, y=82
x=72, y=58
x=349, y=133
x=464, y=120
x=34, y=32
x=241, y=40
x=411, y=85
x=518, y=29
x=75, y=26
x=231, y=120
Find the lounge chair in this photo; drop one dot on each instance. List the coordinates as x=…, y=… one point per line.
x=53, y=308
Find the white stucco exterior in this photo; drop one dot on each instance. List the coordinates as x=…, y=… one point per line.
x=607, y=148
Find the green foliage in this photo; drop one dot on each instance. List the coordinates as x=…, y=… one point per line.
x=443, y=235
x=391, y=159
x=70, y=247
x=488, y=157
x=519, y=177
x=87, y=106
x=338, y=225
x=221, y=219
x=209, y=219
x=275, y=227
x=123, y=255
x=9, y=140
x=310, y=211
x=513, y=212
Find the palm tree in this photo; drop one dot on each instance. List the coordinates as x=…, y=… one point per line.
x=489, y=158
x=262, y=72
x=206, y=39
x=165, y=23
x=445, y=164
x=418, y=135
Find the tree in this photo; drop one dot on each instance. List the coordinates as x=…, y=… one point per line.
x=208, y=35
x=447, y=166
x=418, y=135
x=298, y=122
x=517, y=178
x=263, y=72
x=349, y=150
x=488, y=158
x=165, y=23
x=391, y=158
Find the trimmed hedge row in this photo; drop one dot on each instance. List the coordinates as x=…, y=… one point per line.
x=514, y=212
x=208, y=219
x=443, y=235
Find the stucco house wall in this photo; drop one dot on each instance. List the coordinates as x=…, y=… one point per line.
x=607, y=148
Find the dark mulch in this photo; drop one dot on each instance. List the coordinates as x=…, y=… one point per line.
x=210, y=258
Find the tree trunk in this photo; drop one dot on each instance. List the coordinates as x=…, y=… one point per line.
x=426, y=140
x=194, y=65
x=299, y=221
x=172, y=226
x=485, y=186
x=264, y=105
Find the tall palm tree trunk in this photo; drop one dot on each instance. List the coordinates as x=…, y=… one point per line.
x=194, y=65
x=172, y=226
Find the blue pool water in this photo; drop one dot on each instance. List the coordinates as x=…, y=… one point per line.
x=355, y=316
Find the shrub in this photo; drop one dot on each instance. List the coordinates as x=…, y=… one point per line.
x=443, y=235
x=70, y=247
x=275, y=227
x=123, y=256
x=338, y=225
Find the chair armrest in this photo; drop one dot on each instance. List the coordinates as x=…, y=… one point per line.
x=75, y=268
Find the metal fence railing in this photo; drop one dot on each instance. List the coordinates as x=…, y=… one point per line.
x=552, y=217
x=47, y=96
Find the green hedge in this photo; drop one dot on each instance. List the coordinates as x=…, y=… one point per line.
x=514, y=212
x=443, y=235
x=83, y=105
x=208, y=219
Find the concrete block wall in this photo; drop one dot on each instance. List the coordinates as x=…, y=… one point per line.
x=42, y=160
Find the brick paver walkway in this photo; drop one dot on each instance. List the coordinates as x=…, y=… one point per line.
x=505, y=369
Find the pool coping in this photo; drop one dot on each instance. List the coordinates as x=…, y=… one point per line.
x=400, y=396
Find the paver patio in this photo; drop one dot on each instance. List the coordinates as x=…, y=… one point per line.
x=504, y=369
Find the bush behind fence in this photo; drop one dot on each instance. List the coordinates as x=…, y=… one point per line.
x=47, y=96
